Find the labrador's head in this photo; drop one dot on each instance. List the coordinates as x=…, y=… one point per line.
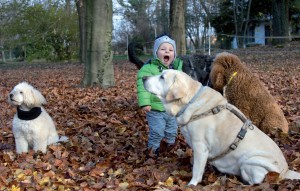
x=174, y=88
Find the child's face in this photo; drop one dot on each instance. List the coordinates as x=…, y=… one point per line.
x=166, y=53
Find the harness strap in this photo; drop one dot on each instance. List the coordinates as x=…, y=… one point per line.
x=236, y=113
x=190, y=102
x=240, y=136
x=212, y=111
x=217, y=109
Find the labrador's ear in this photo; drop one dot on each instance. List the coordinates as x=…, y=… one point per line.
x=176, y=91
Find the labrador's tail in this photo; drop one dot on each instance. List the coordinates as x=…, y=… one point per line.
x=290, y=174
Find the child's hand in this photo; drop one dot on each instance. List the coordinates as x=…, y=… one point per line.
x=146, y=108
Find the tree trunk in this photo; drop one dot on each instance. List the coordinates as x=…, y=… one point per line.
x=235, y=23
x=246, y=23
x=206, y=10
x=194, y=33
x=3, y=56
x=164, y=17
x=99, y=69
x=177, y=25
x=68, y=7
x=82, y=30
x=280, y=21
x=204, y=39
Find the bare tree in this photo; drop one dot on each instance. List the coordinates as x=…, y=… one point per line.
x=198, y=19
x=177, y=24
x=241, y=19
x=206, y=20
x=162, y=17
x=98, y=52
x=138, y=13
x=193, y=23
x=206, y=10
x=246, y=22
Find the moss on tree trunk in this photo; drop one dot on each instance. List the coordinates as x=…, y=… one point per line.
x=99, y=69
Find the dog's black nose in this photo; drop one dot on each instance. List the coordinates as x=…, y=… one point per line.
x=11, y=96
x=145, y=78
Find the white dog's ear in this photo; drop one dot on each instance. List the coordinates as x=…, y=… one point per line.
x=39, y=99
x=176, y=91
x=33, y=98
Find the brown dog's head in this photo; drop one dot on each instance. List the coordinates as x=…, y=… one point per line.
x=224, y=65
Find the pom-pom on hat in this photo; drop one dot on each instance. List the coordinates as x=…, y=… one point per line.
x=162, y=39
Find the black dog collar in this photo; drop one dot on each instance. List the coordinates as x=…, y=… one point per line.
x=29, y=115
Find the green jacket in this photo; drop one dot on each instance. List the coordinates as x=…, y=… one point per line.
x=154, y=67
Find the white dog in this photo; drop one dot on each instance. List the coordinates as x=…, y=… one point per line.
x=217, y=131
x=32, y=125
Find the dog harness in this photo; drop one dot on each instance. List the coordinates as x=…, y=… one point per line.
x=240, y=136
x=29, y=115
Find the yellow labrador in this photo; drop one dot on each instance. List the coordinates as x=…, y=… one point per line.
x=217, y=131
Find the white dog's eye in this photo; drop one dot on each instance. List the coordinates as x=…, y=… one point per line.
x=161, y=77
x=21, y=92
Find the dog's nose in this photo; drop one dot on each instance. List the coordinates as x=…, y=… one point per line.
x=11, y=96
x=145, y=78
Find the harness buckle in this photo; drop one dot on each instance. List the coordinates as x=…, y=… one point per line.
x=229, y=107
x=251, y=127
x=242, y=133
x=233, y=146
x=216, y=110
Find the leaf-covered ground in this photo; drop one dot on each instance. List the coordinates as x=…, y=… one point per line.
x=108, y=133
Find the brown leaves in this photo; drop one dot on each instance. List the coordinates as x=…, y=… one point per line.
x=108, y=134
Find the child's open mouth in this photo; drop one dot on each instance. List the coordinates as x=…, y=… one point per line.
x=166, y=58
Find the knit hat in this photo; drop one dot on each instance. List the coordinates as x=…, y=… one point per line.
x=163, y=39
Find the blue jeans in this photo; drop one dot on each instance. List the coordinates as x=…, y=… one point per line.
x=161, y=125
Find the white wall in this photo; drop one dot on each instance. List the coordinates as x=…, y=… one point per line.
x=259, y=34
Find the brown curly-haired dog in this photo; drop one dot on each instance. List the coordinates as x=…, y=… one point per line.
x=244, y=90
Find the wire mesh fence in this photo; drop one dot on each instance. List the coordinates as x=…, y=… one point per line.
x=258, y=45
